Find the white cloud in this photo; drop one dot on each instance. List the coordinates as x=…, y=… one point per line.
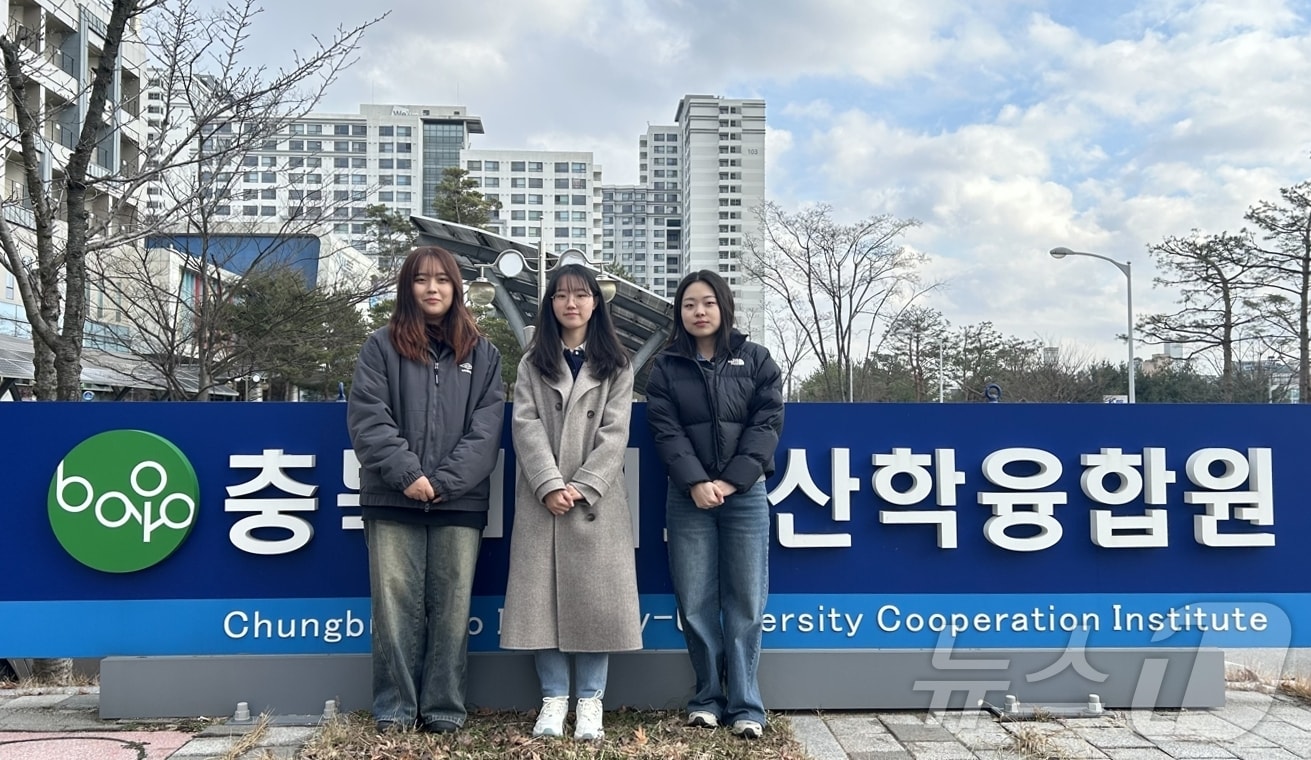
x=1007, y=127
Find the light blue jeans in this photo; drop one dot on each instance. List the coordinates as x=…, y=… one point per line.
x=591, y=668
x=719, y=561
x=421, y=580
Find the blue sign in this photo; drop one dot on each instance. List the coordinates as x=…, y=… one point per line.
x=895, y=526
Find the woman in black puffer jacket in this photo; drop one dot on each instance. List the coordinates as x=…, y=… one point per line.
x=715, y=405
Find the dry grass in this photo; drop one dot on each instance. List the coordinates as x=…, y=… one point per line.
x=629, y=735
x=248, y=740
x=1033, y=743
x=76, y=680
x=1299, y=688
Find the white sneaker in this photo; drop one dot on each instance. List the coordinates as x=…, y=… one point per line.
x=702, y=719
x=747, y=729
x=550, y=719
x=587, y=719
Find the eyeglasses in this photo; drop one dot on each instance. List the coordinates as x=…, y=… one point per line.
x=580, y=297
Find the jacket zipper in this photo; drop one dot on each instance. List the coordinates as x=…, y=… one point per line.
x=432, y=402
x=711, y=382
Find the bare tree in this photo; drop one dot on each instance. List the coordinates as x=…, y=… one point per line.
x=174, y=301
x=837, y=280
x=88, y=201
x=914, y=343
x=786, y=339
x=1287, y=266
x=1217, y=276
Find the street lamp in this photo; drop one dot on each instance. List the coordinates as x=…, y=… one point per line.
x=511, y=262
x=1126, y=268
x=481, y=291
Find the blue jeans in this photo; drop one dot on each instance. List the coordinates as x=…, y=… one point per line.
x=421, y=580
x=719, y=561
x=553, y=672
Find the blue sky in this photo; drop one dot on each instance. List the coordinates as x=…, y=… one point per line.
x=1006, y=127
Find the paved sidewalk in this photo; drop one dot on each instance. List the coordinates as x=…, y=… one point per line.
x=63, y=724
x=1253, y=725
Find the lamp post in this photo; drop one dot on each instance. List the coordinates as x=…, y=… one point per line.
x=512, y=262
x=1126, y=268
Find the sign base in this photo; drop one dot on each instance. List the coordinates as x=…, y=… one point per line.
x=163, y=687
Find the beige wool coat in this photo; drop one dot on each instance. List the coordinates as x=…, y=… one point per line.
x=573, y=578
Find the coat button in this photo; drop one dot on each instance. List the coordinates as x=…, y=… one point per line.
x=591, y=413
x=558, y=406
x=591, y=516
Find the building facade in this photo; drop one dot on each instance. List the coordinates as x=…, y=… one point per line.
x=722, y=143
x=551, y=196
x=329, y=168
x=61, y=44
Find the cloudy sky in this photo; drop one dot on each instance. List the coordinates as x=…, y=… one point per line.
x=1007, y=127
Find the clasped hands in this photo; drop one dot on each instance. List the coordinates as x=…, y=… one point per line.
x=422, y=490
x=709, y=494
x=562, y=500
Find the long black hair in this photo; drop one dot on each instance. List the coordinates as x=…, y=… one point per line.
x=681, y=339
x=605, y=354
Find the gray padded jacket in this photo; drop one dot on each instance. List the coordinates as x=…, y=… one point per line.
x=442, y=419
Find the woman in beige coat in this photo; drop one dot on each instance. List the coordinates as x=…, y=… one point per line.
x=572, y=590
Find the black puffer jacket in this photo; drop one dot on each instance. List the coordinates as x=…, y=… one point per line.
x=716, y=425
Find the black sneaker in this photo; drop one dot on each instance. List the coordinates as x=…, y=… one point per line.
x=441, y=726
x=389, y=727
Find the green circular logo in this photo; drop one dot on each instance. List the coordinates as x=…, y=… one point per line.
x=123, y=501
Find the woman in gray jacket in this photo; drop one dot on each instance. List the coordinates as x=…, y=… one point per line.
x=572, y=590
x=425, y=416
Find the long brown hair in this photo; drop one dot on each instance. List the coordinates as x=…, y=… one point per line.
x=409, y=327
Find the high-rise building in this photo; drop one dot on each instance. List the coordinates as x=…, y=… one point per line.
x=60, y=45
x=722, y=176
x=547, y=196
x=333, y=166
x=641, y=225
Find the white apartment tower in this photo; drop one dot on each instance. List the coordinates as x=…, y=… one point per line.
x=547, y=196
x=62, y=42
x=722, y=165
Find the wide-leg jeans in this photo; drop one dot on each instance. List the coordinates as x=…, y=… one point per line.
x=719, y=561
x=421, y=581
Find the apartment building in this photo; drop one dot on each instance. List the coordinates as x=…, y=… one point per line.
x=641, y=225
x=62, y=42
x=329, y=167
x=722, y=179
x=551, y=196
